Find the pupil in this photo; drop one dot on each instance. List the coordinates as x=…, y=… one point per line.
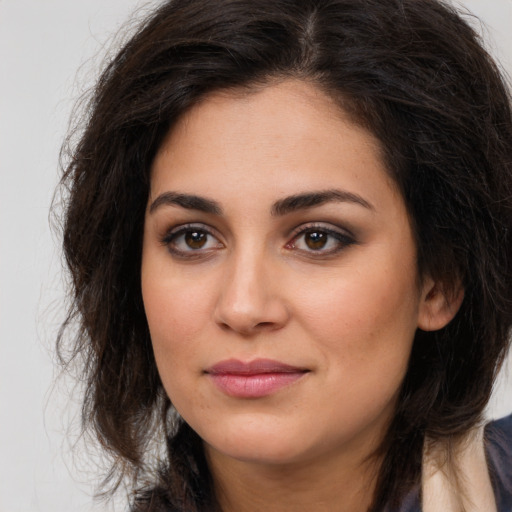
x=316, y=240
x=195, y=239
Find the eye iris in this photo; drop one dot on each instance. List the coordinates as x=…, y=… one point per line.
x=316, y=240
x=195, y=239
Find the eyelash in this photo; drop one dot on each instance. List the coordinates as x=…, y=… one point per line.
x=340, y=239
x=172, y=236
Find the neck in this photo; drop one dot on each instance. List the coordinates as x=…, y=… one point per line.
x=342, y=484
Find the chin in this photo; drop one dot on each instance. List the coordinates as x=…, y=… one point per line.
x=262, y=453
x=255, y=442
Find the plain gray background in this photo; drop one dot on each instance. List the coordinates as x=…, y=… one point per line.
x=50, y=51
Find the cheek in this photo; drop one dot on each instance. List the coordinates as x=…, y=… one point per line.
x=177, y=310
x=174, y=333
x=176, y=298
x=366, y=320
x=363, y=328
x=172, y=316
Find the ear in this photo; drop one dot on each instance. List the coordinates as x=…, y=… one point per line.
x=438, y=305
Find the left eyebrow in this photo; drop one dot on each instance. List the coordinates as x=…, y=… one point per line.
x=311, y=199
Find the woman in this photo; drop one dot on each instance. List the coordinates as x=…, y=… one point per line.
x=289, y=235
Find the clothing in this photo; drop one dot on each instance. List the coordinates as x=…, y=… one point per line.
x=499, y=457
x=498, y=447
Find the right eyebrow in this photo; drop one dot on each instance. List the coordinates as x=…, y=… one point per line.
x=188, y=201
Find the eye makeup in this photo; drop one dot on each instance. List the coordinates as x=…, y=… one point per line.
x=319, y=240
x=191, y=241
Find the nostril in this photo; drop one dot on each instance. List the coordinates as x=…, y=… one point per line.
x=249, y=329
x=264, y=325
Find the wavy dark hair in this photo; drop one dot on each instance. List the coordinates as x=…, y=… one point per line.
x=415, y=74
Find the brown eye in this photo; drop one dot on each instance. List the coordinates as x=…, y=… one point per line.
x=316, y=240
x=195, y=239
x=191, y=241
x=320, y=241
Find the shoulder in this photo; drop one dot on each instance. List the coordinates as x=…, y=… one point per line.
x=498, y=436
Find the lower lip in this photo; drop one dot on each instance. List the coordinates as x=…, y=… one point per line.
x=254, y=385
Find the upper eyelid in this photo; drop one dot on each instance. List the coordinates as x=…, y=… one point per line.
x=181, y=228
x=190, y=225
x=325, y=226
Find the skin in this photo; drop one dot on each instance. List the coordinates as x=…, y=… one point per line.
x=347, y=312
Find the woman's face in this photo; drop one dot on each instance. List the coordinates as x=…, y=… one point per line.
x=279, y=277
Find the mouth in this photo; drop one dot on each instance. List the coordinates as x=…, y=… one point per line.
x=253, y=379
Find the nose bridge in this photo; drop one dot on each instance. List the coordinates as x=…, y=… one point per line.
x=248, y=297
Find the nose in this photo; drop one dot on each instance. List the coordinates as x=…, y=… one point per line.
x=251, y=297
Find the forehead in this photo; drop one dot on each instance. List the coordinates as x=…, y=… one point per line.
x=284, y=138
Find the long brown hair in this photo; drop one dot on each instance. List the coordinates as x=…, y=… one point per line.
x=411, y=71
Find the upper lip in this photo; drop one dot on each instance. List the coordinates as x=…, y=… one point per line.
x=254, y=367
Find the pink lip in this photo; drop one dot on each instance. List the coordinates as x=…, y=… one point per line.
x=254, y=379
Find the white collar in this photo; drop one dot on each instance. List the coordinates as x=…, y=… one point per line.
x=470, y=490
